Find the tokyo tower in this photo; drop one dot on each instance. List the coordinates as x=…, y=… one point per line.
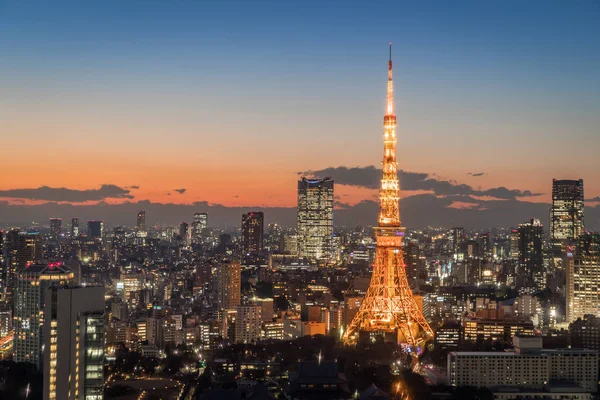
x=389, y=307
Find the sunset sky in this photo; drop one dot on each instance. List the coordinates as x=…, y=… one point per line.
x=232, y=100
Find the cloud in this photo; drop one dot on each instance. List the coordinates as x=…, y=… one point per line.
x=476, y=173
x=47, y=193
x=593, y=199
x=369, y=177
x=180, y=191
x=134, y=187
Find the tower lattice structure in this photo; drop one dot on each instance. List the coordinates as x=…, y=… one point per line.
x=389, y=305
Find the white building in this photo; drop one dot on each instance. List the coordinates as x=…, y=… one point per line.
x=528, y=368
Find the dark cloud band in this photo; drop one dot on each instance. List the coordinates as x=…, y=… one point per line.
x=369, y=177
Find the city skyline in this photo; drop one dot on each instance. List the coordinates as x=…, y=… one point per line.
x=177, y=117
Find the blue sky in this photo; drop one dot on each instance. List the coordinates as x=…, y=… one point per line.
x=509, y=88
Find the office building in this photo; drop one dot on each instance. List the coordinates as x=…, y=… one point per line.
x=229, y=275
x=252, y=232
x=583, y=278
x=140, y=225
x=31, y=286
x=315, y=219
x=248, y=324
x=457, y=238
x=530, y=273
x=95, y=229
x=528, y=367
x=413, y=264
x=6, y=322
x=74, y=227
x=513, y=252
x=199, y=224
x=566, y=214
x=585, y=332
x=73, y=333
x=183, y=230
x=447, y=336
x=490, y=323
x=55, y=227
x=22, y=249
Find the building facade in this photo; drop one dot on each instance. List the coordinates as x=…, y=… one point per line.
x=229, y=275
x=74, y=343
x=583, y=278
x=248, y=324
x=32, y=283
x=199, y=224
x=315, y=219
x=530, y=272
x=528, y=366
x=252, y=232
x=566, y=214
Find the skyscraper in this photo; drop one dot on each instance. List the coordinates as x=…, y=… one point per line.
x=31, y=285
x=22, y=249
x=414, y=266
x=95, y=229
x=315, y=219
x=583, y=277
x=252, y=232
x=199, y=223
x=566, y=214
x=141, y=222
x=229, y=276
x=74, y=227
x=531, y=259
x=73, y=334
x=55, y=227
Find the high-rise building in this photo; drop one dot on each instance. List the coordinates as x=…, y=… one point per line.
x=583, y=278
x=513, y=252
x=183, y=230
x=566, y=215
x=199, y=224
x=73, y=333
x=531, y=261
x=457, y=238
x=248, y=323
x=141, y=222
x=229, y=276
x=31, y=285
x=55, y=227
x=315, y=218
x=74, y=227
x=22, y=249
x=252, y=232
x=95, y=229
x=414, y=265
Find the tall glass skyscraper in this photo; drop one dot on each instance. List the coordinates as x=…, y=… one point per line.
x=315, y=219
x=566, y=214
x=566, y=217
x=252, y=232
x=583, y=278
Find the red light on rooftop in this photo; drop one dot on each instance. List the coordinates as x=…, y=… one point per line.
x=53, y=265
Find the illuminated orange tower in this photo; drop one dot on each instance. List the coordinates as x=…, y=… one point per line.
x=389, y=306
